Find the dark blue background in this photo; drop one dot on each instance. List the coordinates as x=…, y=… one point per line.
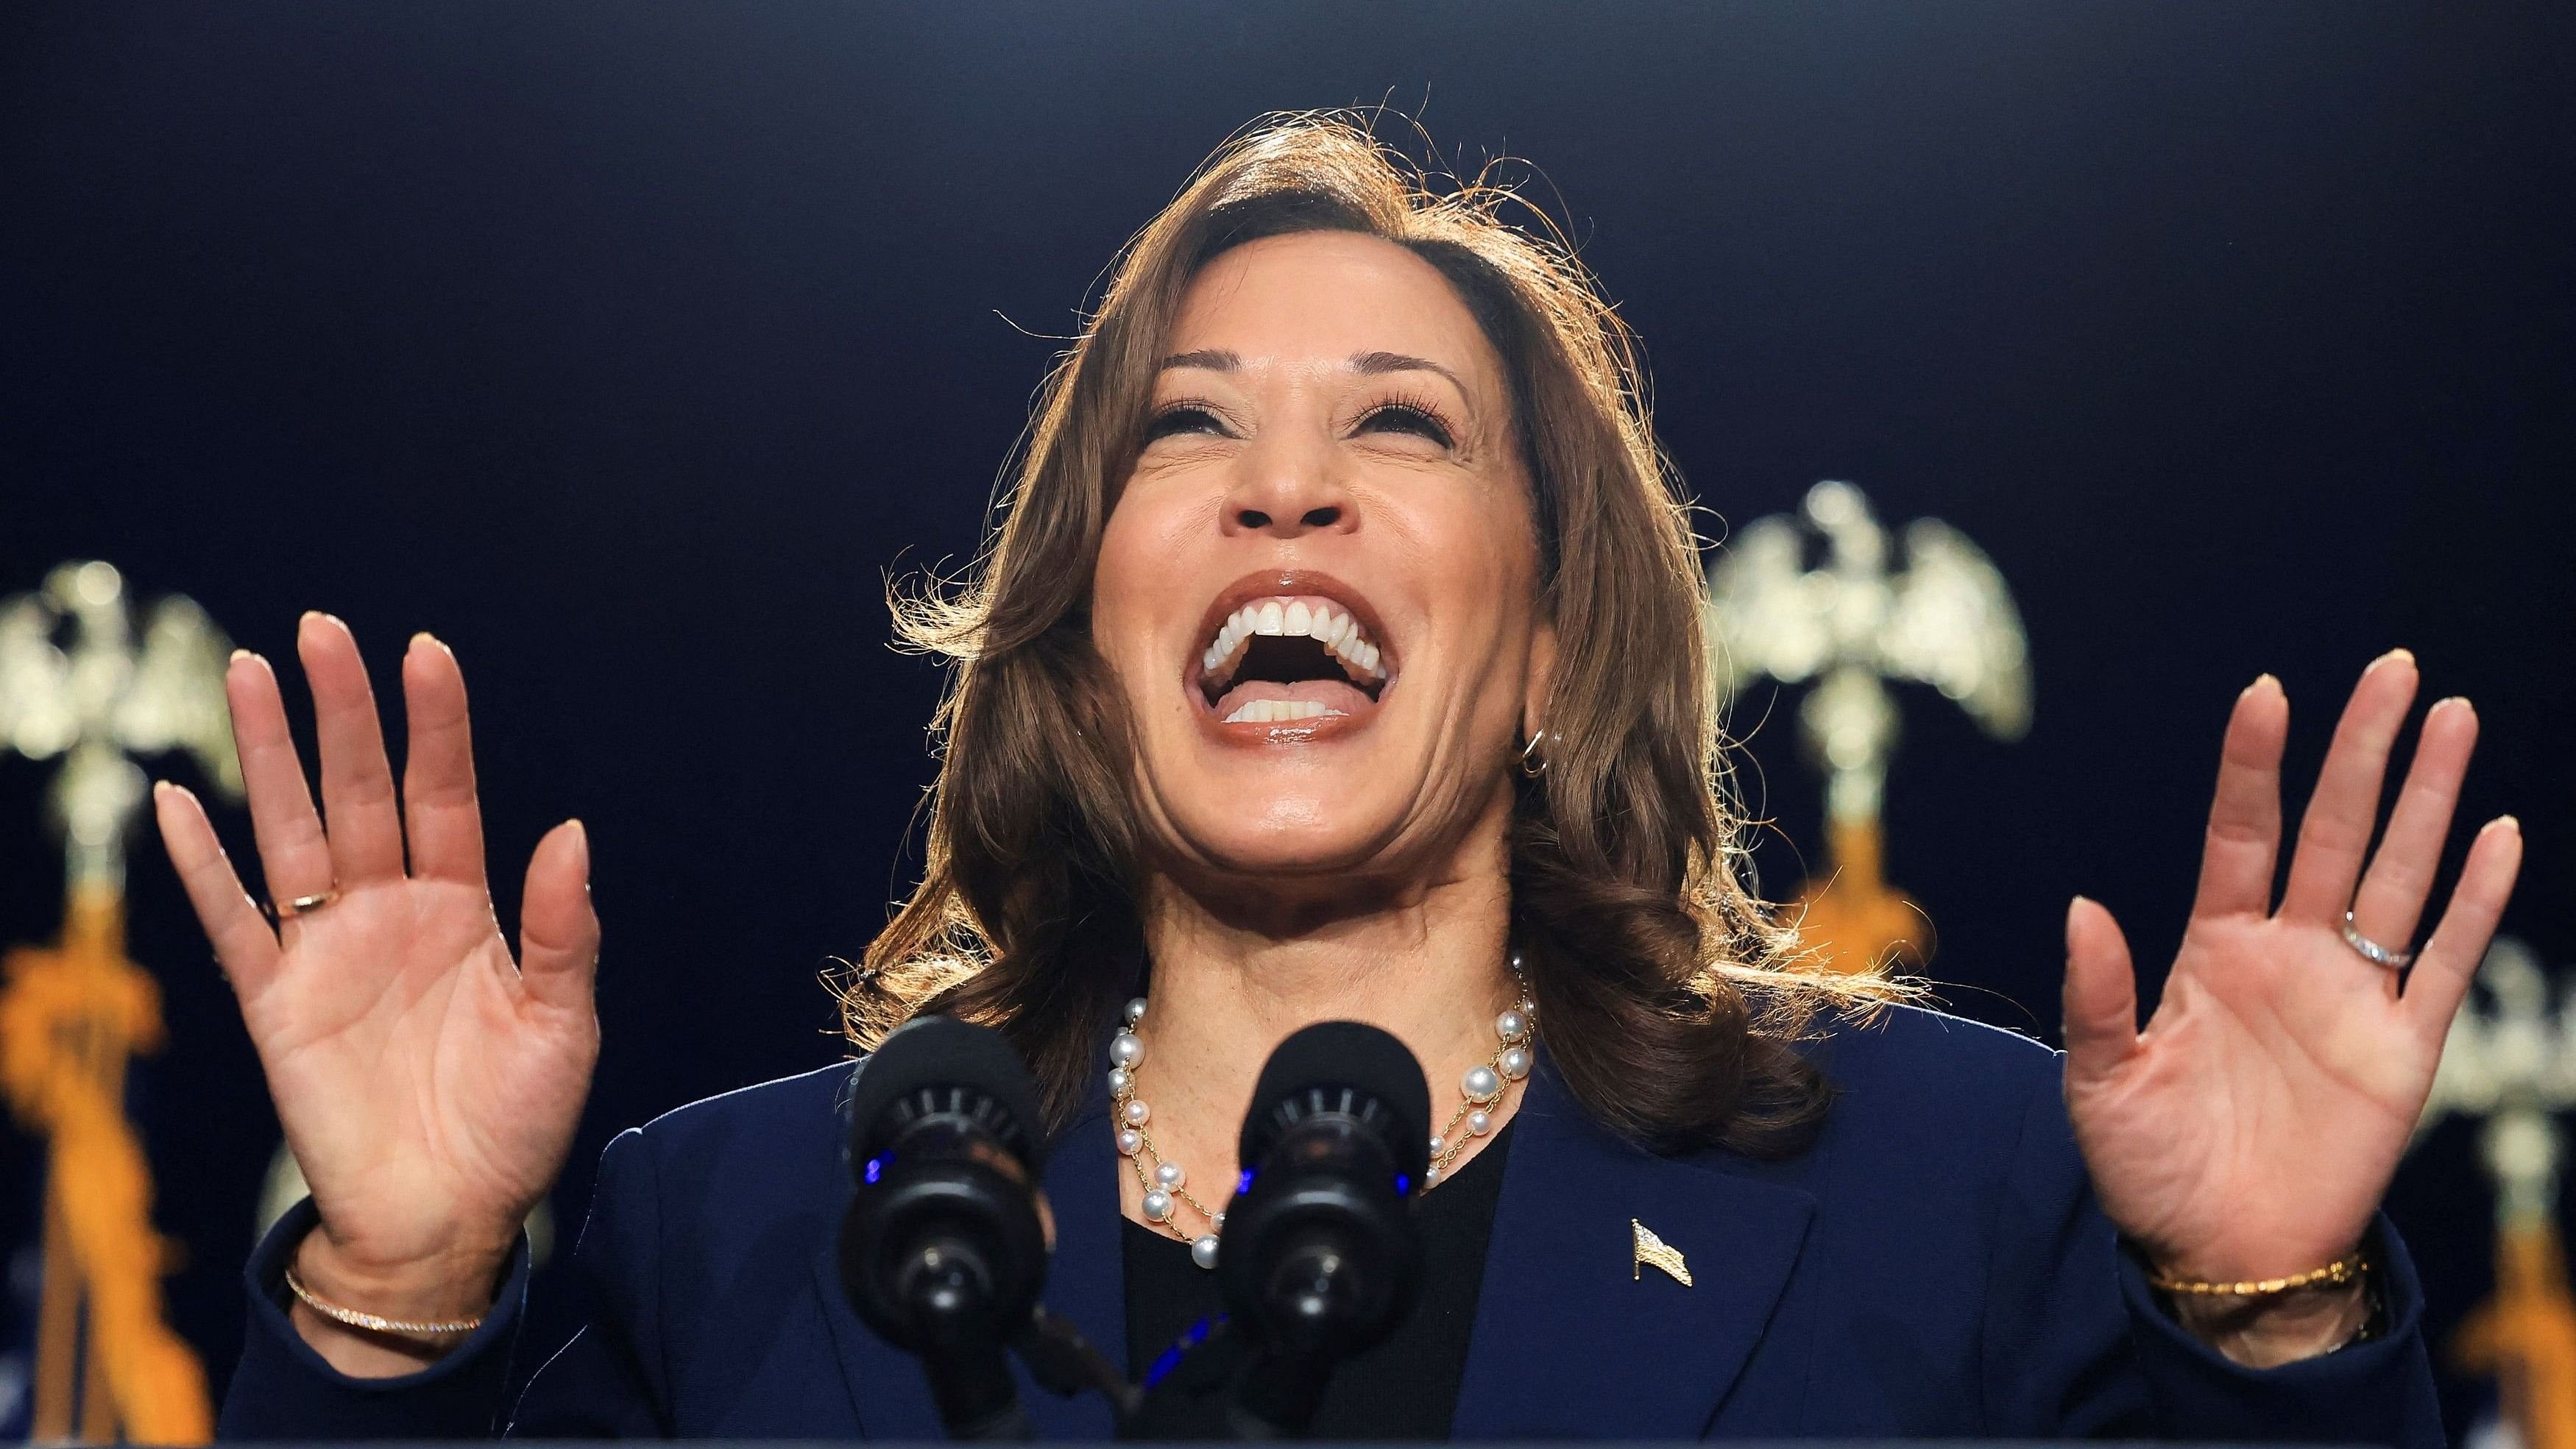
x=628, y=346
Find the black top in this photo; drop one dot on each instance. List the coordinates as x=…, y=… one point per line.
x=1406, y=1387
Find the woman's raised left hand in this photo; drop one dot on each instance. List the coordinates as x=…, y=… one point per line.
x=2250, y=1130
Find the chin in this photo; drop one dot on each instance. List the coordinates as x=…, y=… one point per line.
x=1287, y=835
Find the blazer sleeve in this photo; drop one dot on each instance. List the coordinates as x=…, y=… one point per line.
x=282, y=1389
x=2077, y=1344
x=612, y=1381
x=606, y=1383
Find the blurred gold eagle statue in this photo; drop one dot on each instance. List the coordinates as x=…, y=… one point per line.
x=73, y=683
x=1850, y=624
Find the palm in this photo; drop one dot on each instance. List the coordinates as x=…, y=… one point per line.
x=427, y=1086
x=2250, y=1130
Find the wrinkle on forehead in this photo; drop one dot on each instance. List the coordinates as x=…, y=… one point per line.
x=1396, y=290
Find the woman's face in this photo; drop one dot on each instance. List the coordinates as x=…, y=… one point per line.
x=1318, y=589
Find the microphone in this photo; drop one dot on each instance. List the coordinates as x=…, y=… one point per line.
x=1321, y=1258
x=943, y=1251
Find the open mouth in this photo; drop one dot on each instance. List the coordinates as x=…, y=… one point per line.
x=1284, y=658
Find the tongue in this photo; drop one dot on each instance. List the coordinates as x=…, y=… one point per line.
x=1335, y=695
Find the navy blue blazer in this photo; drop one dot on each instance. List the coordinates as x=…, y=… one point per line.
x=1934, y=1265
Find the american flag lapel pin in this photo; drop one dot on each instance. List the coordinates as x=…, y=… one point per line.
x=1654, y=1250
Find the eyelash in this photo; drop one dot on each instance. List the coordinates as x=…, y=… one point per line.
x=1420, y=417
x=1161, y=424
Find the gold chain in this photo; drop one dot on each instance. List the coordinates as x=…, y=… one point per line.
x=373, y=1323
x=1448, y=1146
x=1452, y=1141
x=2335, y=1274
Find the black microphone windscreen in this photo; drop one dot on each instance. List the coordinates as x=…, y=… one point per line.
x=1345, y=1054
x=939, y=1053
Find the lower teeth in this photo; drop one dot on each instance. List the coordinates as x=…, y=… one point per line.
x=1275, y=711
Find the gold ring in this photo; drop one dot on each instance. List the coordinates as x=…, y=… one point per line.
x=302, y=904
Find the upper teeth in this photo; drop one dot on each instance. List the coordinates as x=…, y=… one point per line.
x=1338, y=632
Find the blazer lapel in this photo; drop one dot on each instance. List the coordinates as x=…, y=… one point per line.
x=1086, y=1280
x=888, y=1394
x=1085, y=1284
x=1572, y=1339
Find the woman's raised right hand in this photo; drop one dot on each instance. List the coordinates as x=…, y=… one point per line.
x=428, y=1083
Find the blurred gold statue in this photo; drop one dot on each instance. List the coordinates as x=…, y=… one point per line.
x=2511, y=1059
x=1946, y=621
x=107, y=1367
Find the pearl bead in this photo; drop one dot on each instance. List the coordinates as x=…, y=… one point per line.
x=1130, y=1141
x=1137, y=1112
x=1121, y=1081
x=1158, y=1205
x=1135, y=1011
x=1480, y=1123
x=1480, y=1084
x=1203, y=1250
x=1169, y=1174
x=1516, y=1062
x=1127, y=1050
x=1432, y=1178
x=1511, y=1026
x=1438, y=1143
x=1219, y=1221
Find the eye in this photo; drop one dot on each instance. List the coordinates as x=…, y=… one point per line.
x=1405, y=417
x=1180, y=418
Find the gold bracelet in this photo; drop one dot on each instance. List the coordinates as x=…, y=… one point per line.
x=399, y=1328
x=2341, y=1271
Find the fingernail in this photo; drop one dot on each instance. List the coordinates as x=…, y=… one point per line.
x=2509, y=823
x=238, y=656
x=160, y=788
x=2394, y=655
x=581, y=844
x=2259, y=681
x=424, y=637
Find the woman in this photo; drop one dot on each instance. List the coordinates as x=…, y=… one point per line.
x=1340, y=658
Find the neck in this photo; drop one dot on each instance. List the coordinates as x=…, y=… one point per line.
x=1427, y=965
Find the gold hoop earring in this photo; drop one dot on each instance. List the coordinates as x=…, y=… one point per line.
x=1531, y=752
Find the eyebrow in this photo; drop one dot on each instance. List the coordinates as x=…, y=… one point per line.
x=1217, y=359
x=1377, y=362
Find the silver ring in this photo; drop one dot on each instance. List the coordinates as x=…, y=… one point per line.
x=2373, y=952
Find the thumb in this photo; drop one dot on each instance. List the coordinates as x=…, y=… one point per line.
x=2101, y=999
x=558, y=930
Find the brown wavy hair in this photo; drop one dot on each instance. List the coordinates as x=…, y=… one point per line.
x=1671, y=998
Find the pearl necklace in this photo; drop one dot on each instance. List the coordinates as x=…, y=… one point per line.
x=1167, y=1184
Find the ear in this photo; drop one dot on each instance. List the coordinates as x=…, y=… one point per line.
x=1540, y=681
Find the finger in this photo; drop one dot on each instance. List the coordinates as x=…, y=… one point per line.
x=2101, y=998
x=2245, y=813
x=558, y=930
x=2400, y=879
x=2443, y=971
x=2334, y=836
x=240, y=934
x=293, y=855
x=440, y=810
x=357, y=785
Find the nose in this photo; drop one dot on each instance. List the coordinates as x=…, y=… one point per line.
x=1287, y=492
